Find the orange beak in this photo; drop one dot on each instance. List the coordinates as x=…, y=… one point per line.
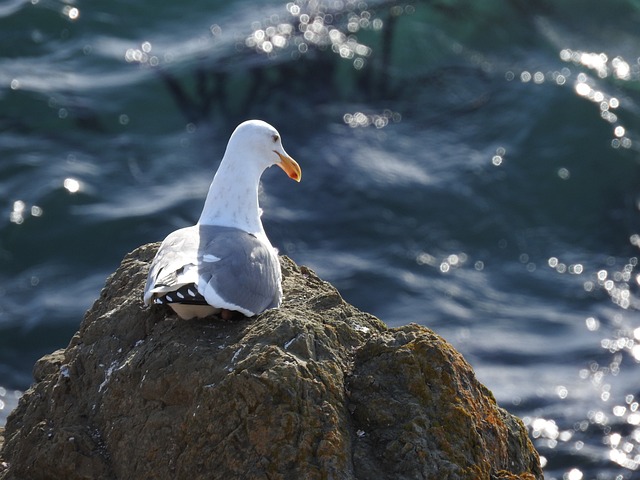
x=290, y=166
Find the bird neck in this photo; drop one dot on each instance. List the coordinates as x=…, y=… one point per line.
x=232, y=200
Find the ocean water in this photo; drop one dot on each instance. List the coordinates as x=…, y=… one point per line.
x=469, y=166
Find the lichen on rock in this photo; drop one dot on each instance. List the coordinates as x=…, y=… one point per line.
x=315, y=389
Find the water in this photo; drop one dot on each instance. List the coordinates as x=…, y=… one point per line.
x=470, y=166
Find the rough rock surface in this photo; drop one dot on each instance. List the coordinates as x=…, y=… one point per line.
x=313, y=390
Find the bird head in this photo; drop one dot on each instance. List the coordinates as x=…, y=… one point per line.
x=263, y=143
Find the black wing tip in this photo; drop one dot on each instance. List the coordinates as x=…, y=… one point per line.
x=186, y=294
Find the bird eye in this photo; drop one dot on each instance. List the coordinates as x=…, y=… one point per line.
x=275, y=138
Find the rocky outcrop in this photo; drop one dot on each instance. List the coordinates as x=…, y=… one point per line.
x=314, y=390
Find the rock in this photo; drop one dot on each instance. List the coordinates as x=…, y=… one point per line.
x=313, y=390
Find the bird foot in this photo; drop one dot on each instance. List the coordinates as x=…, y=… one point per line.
x=230, y=314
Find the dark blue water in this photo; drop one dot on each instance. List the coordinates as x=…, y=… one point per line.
x=470, y=166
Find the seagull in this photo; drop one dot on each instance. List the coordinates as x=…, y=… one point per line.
x=225, y=262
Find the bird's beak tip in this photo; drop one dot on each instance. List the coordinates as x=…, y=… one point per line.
x=290, y=166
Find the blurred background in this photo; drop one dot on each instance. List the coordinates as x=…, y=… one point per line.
x=469, y=166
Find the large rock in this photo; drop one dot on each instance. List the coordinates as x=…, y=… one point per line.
x=313, y=390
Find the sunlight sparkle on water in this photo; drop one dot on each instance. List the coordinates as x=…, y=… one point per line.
x=547, y=431
x=72, y=185
x=561, y=267
x=601, y=65
x=592, y=324
x=378, y=120
x=142, y=55
x=573, y=474
x=498, y=158
x=17, y=214
x=72, y=13
x=19, y=210
x=446, y=264
x=618, y=420
x=308, y=26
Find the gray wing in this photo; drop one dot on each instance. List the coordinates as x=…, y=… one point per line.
x=170, y=268
x=237, y=268
x=231, y=268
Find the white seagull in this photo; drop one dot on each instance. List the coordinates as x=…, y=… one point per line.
x=225, y=262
